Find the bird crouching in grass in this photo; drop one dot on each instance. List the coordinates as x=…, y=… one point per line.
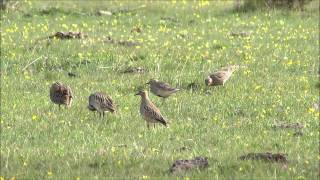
x=220, y=77
x=149, y=112
x=101, y=102
x=61, y=94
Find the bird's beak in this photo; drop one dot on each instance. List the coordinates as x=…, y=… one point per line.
x=136, y=94
x=148, y=83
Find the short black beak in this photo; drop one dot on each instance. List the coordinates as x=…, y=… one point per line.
x=136, y=94
x=148, y=83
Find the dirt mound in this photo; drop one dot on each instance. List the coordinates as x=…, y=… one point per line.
x=185, y=165
x=67, y=35
x=269, y=157
x=134, y=70
x=121, y=42
x=296, y=125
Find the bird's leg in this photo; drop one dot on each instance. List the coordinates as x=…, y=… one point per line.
x=148, y=125
x=103, y=113
x=154, y=125
x=59, y=107
x=99, y=114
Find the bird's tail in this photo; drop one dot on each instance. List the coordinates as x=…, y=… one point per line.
x=165, y=123
x=113, y=110
x=175, y=90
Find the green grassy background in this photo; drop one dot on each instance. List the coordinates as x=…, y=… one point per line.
x=279, y=84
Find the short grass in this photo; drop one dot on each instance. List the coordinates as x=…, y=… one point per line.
x=279, y=84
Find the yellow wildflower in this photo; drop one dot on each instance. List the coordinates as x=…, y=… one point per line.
x=311, y=110
x=301, y=177
x=64, y=26
x=257, y=87
x=289, y=62
x=34, y=117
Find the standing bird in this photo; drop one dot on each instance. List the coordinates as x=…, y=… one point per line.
x=220, y=77
x=161, y=89
x=101, y=102
x=61, y=94
x=149, y=111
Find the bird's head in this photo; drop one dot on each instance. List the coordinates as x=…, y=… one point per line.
x=208, y=81
x=151, y=81
x=141, y=93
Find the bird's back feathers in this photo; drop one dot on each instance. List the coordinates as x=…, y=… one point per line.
x=61, y=94
x=101, y=102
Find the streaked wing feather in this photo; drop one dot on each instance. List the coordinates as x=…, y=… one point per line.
x=108, y=103
x=154, y=113
x=219, y=74
x=165, y=86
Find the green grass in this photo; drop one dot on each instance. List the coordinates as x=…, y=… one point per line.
x=279, y=84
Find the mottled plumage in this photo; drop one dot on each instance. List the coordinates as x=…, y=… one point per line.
x=220, y=77
x=149, y=111
x=61, y=94
x=161, y=89
x=100, y=102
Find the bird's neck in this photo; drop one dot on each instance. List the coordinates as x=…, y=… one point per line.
x=145, y=98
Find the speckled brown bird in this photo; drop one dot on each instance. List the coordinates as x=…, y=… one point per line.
x=220, y=77
x=61, y=94
x=101, y=102
x=161, y=89
x=149, y=111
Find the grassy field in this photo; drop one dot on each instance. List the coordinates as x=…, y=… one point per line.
x=180, y=43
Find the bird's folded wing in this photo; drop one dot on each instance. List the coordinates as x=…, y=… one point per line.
x=108, y=103
x=219, y=74
x=154, y=114
x=165, y=86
